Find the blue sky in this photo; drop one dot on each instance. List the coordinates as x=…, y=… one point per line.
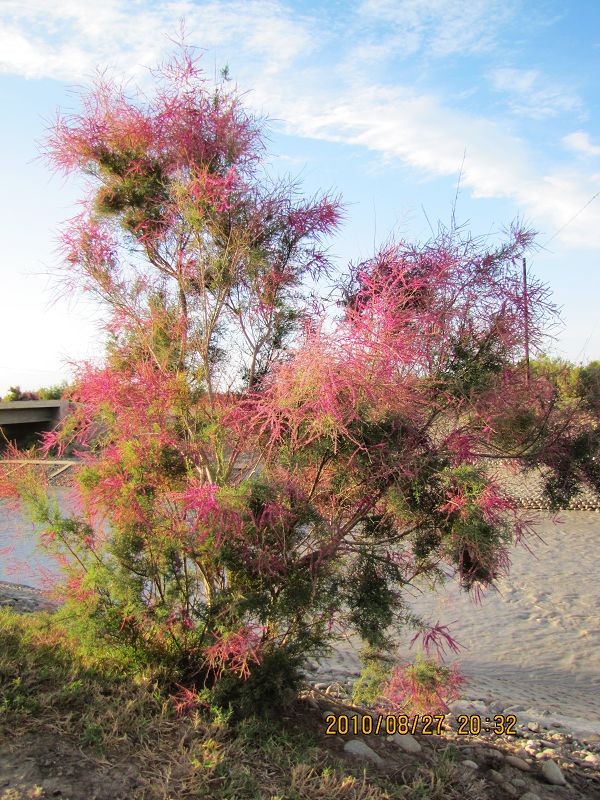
x=381, y=100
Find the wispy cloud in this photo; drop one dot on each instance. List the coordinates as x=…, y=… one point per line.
x=421, y=131
x=530, y=94
x=439, y=27
x=580, y=142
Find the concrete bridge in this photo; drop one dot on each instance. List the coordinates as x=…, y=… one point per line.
x=25, y=418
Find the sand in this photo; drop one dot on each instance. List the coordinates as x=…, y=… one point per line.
x=534, y=643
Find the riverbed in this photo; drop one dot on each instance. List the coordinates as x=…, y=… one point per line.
x=535, y=641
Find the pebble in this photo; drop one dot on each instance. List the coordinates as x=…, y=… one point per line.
x=406, y=741
x=360, y=726
x=495, y=776
x=514, y=710
x=534, y=740
x=592, y=759
x=468, y=707
x=25, y=599
x=553, y=773
x=544, y=754
x=517, y=763
x=358, y=748
x=545, y=743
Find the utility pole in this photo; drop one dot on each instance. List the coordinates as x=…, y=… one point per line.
x=526, y=311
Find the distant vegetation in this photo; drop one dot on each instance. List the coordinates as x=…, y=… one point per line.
x=55, y=392
x=573, y=383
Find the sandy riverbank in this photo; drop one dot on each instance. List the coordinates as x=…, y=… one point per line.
x=534, y=643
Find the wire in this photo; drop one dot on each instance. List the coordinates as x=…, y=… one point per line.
x=568, y=222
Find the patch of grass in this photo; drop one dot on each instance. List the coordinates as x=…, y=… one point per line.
x=46, y=679
x=51, y=686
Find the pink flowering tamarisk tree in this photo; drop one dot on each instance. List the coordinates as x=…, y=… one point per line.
x=260, y=472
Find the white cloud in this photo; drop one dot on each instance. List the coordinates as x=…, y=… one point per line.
x=441, y=27
x=530, y=95
x=580, y=142
x=68, y=40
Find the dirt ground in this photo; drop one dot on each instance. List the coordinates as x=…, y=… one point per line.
x=46, y=766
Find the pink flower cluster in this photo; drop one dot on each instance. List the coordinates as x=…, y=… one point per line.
x=234, y=651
